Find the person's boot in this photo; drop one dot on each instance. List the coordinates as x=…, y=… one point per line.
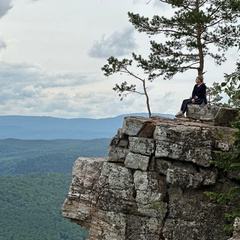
x=179, y=114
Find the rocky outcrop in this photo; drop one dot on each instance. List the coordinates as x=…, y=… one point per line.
x=152, y=184
x=218, y=116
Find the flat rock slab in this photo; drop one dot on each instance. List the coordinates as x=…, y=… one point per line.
x=183, y=143
x=218, y=116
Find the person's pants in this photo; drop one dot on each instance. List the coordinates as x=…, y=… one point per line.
x=189, y=101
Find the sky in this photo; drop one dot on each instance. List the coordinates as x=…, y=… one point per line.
x=51, y=54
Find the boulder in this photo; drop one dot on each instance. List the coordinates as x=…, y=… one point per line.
x=109, y=196
x=192, y=216
x=184, y=143
x=118, y=148
x=117, y=154
x=137, y=161
x=133, y=125
x=218, y=116
x=144, y=146
x=187, y=176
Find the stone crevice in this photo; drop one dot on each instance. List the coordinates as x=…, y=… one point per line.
x=166, y=200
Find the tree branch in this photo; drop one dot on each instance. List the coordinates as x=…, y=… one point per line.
x=132, y=74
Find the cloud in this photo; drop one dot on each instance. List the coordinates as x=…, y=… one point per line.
x=155, y=3
x=27, y=80
x=159, y=4
x=120, y=43
x=5, y=6
x=29, y=90
x=23, y=74
x=3, y=44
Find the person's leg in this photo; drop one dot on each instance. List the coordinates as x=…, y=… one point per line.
x=184, y=105
x=198, y=101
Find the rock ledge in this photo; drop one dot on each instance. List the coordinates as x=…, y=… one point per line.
x=151, y=185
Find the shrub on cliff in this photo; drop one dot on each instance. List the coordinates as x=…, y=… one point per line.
x=230, y=87
x=229, y=162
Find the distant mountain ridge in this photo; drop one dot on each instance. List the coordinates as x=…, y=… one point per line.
x=49, y=128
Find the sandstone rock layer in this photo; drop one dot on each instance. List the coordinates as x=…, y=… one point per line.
x=152, y=184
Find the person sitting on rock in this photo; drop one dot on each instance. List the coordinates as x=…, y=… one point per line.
x=198, y=96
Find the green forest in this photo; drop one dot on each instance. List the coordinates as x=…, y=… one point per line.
x=40, y=156
x=34, y=181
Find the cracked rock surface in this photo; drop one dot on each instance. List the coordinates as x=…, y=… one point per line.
x=152, y=184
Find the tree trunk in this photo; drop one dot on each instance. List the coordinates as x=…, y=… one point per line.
x=147, y=98
x=199, y=44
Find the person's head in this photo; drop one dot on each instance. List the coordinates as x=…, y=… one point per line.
x=199, y=79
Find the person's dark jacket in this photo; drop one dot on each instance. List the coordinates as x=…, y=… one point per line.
x=199, y=92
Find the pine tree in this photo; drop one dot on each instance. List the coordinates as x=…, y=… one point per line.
x=198, y=28
x=122, y=66
x=230, y=87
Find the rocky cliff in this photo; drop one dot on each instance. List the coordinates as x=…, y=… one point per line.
x=152, y=184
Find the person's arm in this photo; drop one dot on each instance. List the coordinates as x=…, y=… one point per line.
x=204, y=94
x=193, y=92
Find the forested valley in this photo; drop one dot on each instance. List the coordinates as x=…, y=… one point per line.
x=34, y=179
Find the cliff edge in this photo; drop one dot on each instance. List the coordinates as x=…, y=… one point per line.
x=152, y=184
